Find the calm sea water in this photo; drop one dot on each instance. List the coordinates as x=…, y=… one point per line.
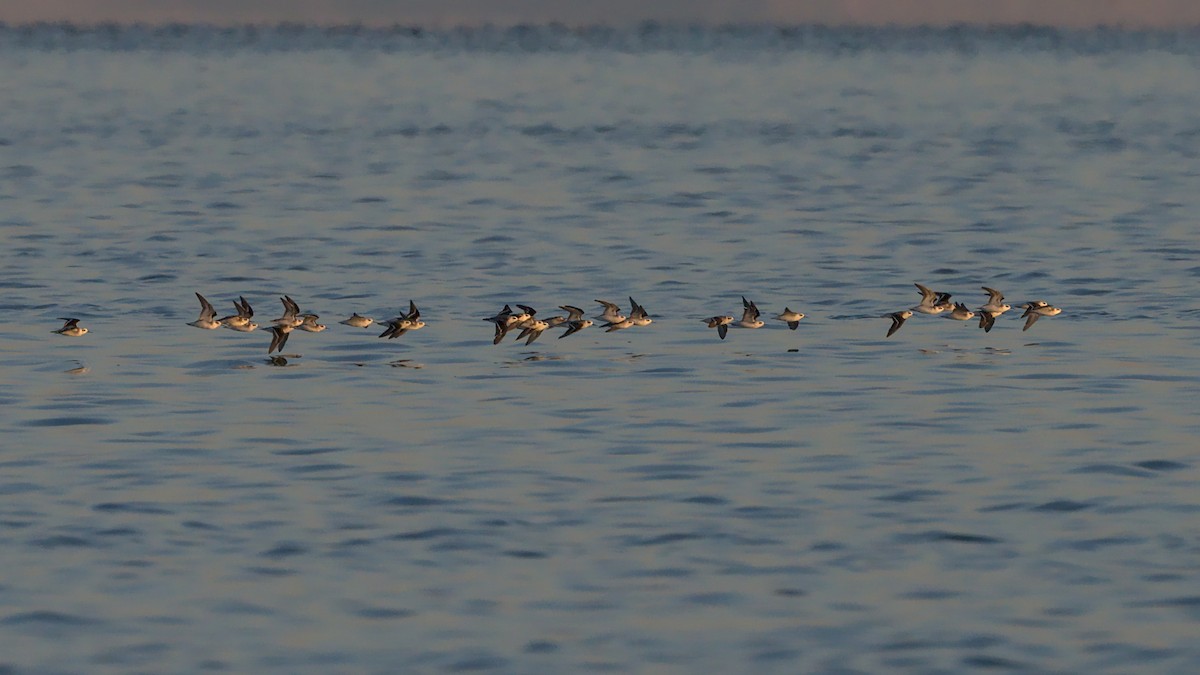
x=653, y=500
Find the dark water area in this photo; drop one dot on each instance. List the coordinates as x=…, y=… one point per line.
x=655, y=499
x=555, y=37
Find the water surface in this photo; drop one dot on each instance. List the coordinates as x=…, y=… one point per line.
x=649, y=500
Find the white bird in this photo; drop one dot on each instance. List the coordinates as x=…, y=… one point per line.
x=505, y=320
x=575, y=326
x=638, y=315
x=750, y=315
x=987, y=320
x=960, y=313
x=619, y=325
x=612, y=313
x=1034, y=311
x=70, y=328
x=791, y=318
x=721, y=323
x=404, y=323
x=573, y=314
x=309, y=324
x=995, y=304
x=533, y=331
x=994, y=307
x=932, y=302
x=358, y=321
x=240, y=321
x=291, y=313
x=207, y=319
x=279, y=337
x=898, y=319
x=395, y=327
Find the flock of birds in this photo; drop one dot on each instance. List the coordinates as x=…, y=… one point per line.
x=524, y=319
x=934, y=302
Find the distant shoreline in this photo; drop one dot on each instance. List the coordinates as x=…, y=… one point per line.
x=639, y=26
x=557, y=37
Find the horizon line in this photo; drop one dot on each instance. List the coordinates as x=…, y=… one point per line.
x=633, y=25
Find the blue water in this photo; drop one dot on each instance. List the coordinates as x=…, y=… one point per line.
x=651, y=500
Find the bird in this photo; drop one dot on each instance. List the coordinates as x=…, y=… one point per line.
x=532, y=326
x=612, y=313
x=575, y=326
x=309, y=323
x=573, y=314
x=414, y=316
x=395, y=327
x=533, y=331
x=960, y=313
x=526, y=323
x=987, y=320
x=291, y=313
x=721, y=323
x=505, y=320
x=994, y=307
x=792, y=318
x=70, y=328
x=240, y=321
x=750, y=315
x=638, y=315
x=207, y=314
x=1034, y=311
x=279, y=337
x=624, y=323
x=898, y=319
x=404, y=323
x=932, y=302
x=358, y=321
x=995, y=304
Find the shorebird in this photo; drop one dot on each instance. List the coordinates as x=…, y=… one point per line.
x=291, y=313
x=358, y=321
x=207, y=314
x=638, y=315
x=960, y=313
x=533, y=331
x=995, y=304
x=505, y=320
x=309, y=323
x=619, y=325
x=279, y=337
x=573, y=314
x=240, y=321
x=70, y=328
x=791, y=318
x=1035, y=304
x=404, y=323
x=575, y=326
x=932, y=302
x=898, y=319
x=612, y=313
x=721, y=323
x=750, y=315
x=994, y=307
x=1034, y=311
